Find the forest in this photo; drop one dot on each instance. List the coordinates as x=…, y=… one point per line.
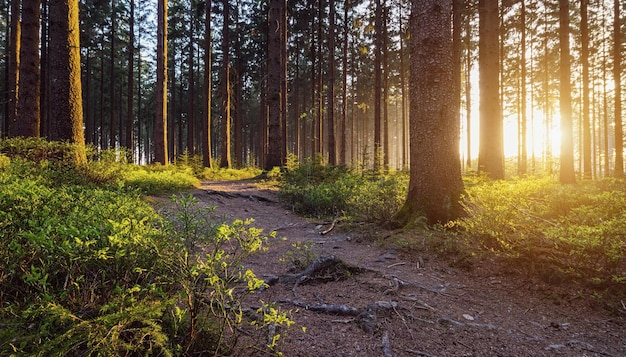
x=346, y=77
x=331, y=177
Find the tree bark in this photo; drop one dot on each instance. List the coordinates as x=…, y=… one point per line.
x=435, y=184
x=567, y=173
x=225, y=152
x=66, y=110
x=617, y=78
x=206, y=122
x=584, y=59
x=160, y=123
x=491, y=149
x=14, y=67
x=332, y=152
x=274, y=101
x=28, y=109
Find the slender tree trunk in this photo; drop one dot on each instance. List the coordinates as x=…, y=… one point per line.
x=44, y=127
x=160, y=124
x=238, y=94
x=14, y=67
x=523, y=160
x=191, y=116
x=344, y=80
x=320, y=82
x=130, y=119
x=385, y=89
x=491, y=149
x=584, y=59
x=468, y=91
x=113, y=81
x=457, y=7
x=206, y=122
x=332, y=153
x=283, y=81
x=617, y=78
x=567, y=173
x=378, y=44
x=28, y=110
x=65, y=85
x=225, y=152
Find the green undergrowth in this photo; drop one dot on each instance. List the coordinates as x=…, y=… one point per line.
x=315, y=189
x=560, y=232
x=92, y=269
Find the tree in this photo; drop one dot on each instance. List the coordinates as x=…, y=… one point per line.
x=617, y=78
x=130, y=126
x=206, y=122
x=28, y=110
x=332, y=152
x=66, y=100
x=225, y=152
x=160, y=121
x=14, y=66
x=584, y=59
x=435, y=183
x=378, y=26
x=566, y=173
x=274, y=102
x=491, y=149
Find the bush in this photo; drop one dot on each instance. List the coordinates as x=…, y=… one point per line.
x=573, y=230
x=159, y=179
x=316, y=189
x=98, y=272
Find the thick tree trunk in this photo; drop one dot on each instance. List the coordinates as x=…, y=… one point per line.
x=435, y=185
x=273, y=86
x=66, y=110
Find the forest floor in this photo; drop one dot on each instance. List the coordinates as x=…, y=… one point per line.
x=369, y=298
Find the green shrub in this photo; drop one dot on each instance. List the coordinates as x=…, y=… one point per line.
x=316, y=189
x=90, y=271
x=577, y=230
x=4, y=162
x=159, y=179
x=221, y=174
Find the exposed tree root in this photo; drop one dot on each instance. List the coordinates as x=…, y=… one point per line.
x=231, y=195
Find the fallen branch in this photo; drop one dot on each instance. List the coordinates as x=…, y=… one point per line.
x=419, y=353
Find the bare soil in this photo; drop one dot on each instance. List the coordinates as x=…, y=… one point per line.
x=386, y=301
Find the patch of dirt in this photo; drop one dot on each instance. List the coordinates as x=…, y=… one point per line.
x=390, y=303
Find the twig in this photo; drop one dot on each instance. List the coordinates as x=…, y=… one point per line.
x=396, y=264
x=419, y=353
x=387, y=352
x=332, y=226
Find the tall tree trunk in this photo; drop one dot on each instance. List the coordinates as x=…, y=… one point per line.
x=160, y=123
x=491, y=149
x=457, y=7
x=344, y=81
x=44, y=127
x=468, y=91
x=113, y=82
x=225, y=152
x=435, y=183
x=191, y=117
x=206, y=122
x=584, y=59
x=130, y=118
x=523, y=160
x=319, y=106
x=274, y=151
x=65, y=85
x=14, y=67
x=283, y=81
x=332, y=152
x=238, y=93
x=567, y=173
x=378, y=44
x=617, y=78
x=28, y=110
x=385, y=89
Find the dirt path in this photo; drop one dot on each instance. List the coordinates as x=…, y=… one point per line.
x=407, y=305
